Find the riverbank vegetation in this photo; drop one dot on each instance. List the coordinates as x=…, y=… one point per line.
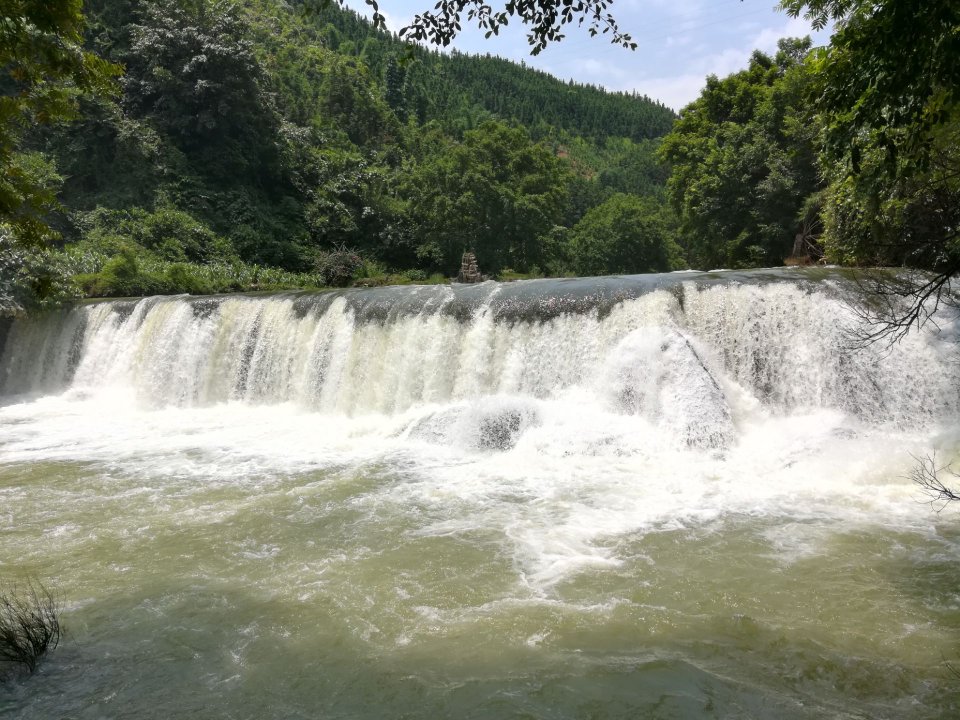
x=197, y=146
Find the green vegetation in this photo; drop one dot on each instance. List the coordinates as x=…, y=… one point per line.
x=851, y=151
x=888, y=100
x=626, y=234
x=495, y=192
x=744, y=162
x=265, y=145
x=44, y=68
x=29, y=624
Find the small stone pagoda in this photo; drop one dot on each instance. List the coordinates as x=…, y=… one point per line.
x=469, y=272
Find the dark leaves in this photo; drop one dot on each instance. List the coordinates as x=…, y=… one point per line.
x=545, y=21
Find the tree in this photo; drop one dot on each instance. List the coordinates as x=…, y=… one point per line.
x=350, y=107
x=909, y=217
x=191, y=68
x=44, y=71
x=496, y=193
x=887, y=92
x=626, y=234
x=394, y=93
x=889, y=76
x=743, y=162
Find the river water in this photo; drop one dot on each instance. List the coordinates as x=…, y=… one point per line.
x=674, y=496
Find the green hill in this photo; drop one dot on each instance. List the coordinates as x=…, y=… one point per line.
x=264, y=135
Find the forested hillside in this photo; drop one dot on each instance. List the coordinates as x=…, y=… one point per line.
x=453, y=87
x=200, y=146
x=258, y=145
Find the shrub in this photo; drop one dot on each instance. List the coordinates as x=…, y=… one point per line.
x=415, y=275
x=170, y=234
x=186, y=278
x=339, y=267
x=371, y=269
x=29, y=624
x=31, y=278
x=625, y=234
x=121, y=276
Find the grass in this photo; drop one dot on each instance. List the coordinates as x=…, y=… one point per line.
x=29, y=624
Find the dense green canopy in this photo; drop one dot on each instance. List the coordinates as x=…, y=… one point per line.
x=744, y=162
x=44, y=69
x=266, y=144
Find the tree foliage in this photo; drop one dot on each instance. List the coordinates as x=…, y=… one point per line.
x=889, y=76
x=743, y=162
x=627, y=234
x=545, y=20
x=496, y=193
x=192, y=71
x=44, y=70
x=887, y=94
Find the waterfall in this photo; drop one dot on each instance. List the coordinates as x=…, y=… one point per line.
x=693, y=475
x=691, y=352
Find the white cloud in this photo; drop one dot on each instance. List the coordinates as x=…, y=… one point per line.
x=682, y=41
x=606, y=71
x=393, y=25
x=679, y=90
x=393, y=20
x=674, y=92
x=767, y=39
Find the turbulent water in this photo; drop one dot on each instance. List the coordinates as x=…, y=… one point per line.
x=671, y=496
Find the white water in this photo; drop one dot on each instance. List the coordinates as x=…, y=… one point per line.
x=777, y=348
x=563, y=432
x=668, y=496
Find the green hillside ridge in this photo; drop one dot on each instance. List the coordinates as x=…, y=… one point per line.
x=454, y=87
x=261, y=146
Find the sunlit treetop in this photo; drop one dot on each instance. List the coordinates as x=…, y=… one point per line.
x=821, y=12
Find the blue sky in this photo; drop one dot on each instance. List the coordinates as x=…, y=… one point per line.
x=679, y=42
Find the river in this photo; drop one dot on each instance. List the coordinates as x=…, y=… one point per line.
x=671, y=496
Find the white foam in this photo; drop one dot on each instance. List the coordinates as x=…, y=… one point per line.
x=562, y=437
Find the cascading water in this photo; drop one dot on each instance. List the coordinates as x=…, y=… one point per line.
x=681, y=492
x=670, y=354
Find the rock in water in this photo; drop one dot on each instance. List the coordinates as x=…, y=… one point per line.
x=490, y=423
x=657, y=373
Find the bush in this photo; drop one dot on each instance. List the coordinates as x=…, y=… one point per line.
x=415, y=275
x=29, y=624
x=177, y=236
x=170, y=234
x=338, y=268
x=626, y=234
x=31, y=278
x=129, y=275
x=121, y=276
x=186, y=278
